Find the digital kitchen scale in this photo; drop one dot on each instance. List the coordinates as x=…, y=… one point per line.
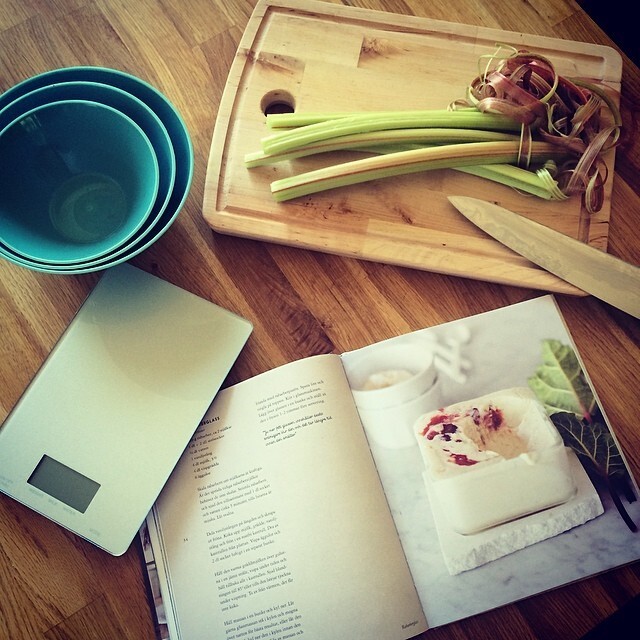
x=99, y=429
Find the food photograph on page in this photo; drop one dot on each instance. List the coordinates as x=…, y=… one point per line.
x=492, y=447
x=494, y=459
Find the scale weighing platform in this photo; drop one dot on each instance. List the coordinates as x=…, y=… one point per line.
x=95, y=436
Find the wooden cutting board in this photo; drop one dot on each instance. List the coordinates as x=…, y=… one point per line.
x=321, y=57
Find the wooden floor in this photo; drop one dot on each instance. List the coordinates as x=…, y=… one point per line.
x=54, y=586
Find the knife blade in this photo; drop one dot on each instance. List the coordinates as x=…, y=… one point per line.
x=602, y=275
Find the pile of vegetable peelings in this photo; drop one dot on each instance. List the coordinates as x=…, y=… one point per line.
x=521, y=124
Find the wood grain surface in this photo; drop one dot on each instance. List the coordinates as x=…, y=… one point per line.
x=54, y=585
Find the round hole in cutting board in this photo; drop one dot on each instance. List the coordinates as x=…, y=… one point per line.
x=277, y=101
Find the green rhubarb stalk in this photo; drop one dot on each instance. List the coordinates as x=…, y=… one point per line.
x=381, y=141
x=291, y=139
x=411, y=161
x=294, y=120
x=538, y=183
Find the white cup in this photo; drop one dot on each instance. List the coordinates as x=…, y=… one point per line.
x=393, y=384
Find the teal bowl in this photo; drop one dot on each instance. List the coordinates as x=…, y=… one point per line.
x=34, y=265
x=77, y=180
x=152, y=98
x=132, y=107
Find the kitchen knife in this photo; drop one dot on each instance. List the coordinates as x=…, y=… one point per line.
x=594, y=271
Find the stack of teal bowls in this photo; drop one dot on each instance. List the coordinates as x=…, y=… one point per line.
x=95, y=165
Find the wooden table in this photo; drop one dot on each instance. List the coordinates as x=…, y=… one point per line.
x=55, y=585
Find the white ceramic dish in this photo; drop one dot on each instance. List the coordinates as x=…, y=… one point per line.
x=523, y=470
x=392, y=384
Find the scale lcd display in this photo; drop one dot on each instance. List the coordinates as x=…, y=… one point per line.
x=63, y=483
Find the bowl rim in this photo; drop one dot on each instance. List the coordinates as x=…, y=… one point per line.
x=44, y=76
x=150, y=199
x=164, y=197
x=169, y=113
x=50, y=77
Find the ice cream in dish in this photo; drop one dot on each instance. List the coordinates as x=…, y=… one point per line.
x=386, y=378
x=494, y=458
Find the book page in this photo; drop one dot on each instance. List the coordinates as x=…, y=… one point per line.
x=274, y=523
x=462, y=572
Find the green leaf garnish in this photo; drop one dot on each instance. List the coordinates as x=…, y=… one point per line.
x=592, y=442
x=560, y=384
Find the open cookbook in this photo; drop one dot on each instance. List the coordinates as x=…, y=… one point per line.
x=408, y=484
